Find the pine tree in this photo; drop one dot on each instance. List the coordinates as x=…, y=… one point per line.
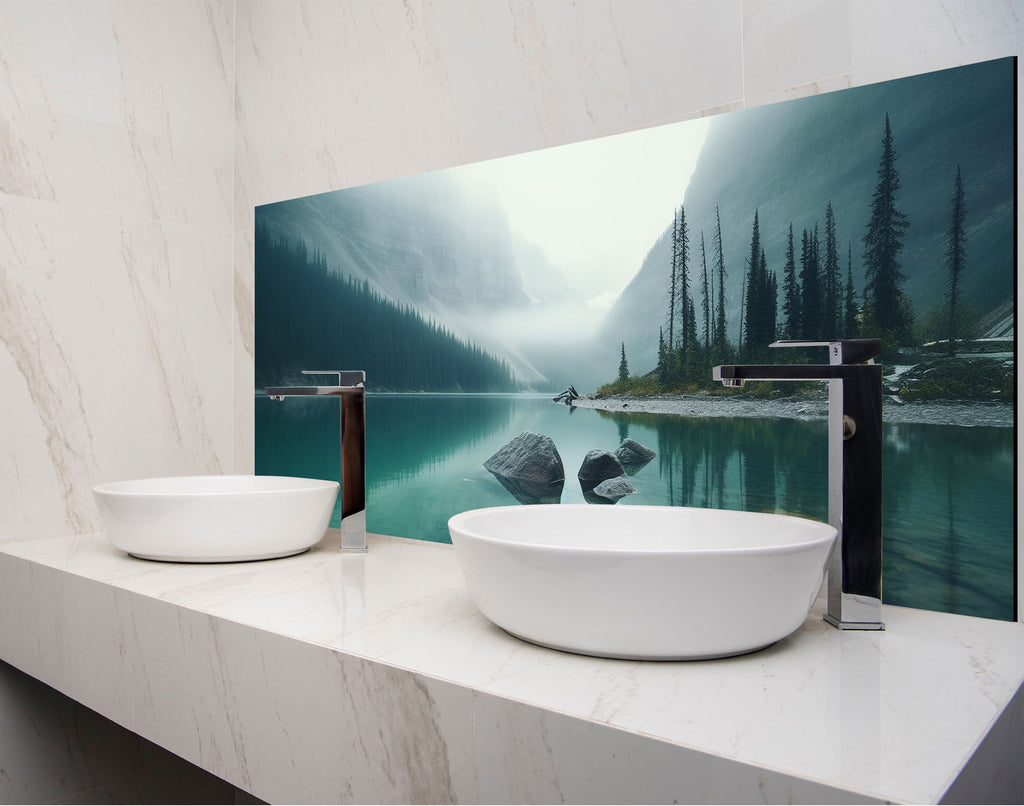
x=691, y=352
x=832, y=296
x=885, y=306
x=623, y=366
x=748, y=328
x=673, y=286
x=663, y=359
x=850, y=303
x=705, y=296
x=771, y=303
x=684, y=306
x=759, y=329
x=816, y=260
x=714, y=315
x=810, y=293
x=791, y=294
x=720, y=339
x=743, y=315
x=956, y=252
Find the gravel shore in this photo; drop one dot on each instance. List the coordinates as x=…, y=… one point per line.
x=966, y=413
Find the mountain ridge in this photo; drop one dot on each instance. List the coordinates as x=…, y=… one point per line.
x=787, y=161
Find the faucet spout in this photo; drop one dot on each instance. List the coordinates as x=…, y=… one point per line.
x=854, y=469
x=351, y=393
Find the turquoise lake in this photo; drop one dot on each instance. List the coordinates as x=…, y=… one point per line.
x=948, y=506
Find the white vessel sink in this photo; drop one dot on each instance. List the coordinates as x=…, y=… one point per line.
x=210, y=519
x=647, y=583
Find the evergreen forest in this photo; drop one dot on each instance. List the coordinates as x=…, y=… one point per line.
x=310, y=317
x=811, y=297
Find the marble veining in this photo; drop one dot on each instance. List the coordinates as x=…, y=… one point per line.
x=383, y=657
x=111, y=374
x=102, y=108
x=45, y=372
x=116, y=189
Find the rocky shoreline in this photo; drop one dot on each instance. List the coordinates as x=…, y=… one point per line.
x=959, y=413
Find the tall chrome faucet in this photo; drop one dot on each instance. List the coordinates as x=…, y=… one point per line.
x=351, y=393
x=854, y=469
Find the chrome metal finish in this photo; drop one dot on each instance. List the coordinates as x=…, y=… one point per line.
x=351, y=393
x=854, y=469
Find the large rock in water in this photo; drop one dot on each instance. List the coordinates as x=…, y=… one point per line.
x=597, y=466
x=529, y=467
x=633, y=456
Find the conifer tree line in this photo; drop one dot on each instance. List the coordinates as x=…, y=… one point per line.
x=816, y=299
x=308, y=317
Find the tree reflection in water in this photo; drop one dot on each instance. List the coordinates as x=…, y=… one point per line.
x=947, y=508
x=948, y=496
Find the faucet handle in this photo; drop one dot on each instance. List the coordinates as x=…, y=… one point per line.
x=335, y=372
x=841, y=351
x=345, y=377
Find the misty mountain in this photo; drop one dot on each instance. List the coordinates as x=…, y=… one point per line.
x=308, y=316
x=429, y=243
x=787, y=161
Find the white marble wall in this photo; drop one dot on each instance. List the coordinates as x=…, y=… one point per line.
x=116, y=310
x=116, y=314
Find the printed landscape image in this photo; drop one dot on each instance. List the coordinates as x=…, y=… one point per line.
x=613, y=274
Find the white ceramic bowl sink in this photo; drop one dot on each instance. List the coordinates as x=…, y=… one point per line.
x=210, y=519
x=647, y=583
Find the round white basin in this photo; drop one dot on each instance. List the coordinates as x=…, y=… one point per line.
x=647, y=583
x=209, y=519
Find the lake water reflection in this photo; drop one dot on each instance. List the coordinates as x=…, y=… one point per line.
x=947, y=491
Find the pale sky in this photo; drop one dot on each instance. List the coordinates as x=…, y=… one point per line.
x=597, y=207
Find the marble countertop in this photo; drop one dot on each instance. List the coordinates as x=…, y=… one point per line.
x=893, y=715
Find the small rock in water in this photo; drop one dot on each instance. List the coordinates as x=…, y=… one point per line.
x=597, y=466
x=633, y=456
x=631, y=452
x=614, y=489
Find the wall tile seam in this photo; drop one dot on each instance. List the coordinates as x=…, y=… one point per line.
x=743, y=54
x=233, y=458
x=903, y=66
